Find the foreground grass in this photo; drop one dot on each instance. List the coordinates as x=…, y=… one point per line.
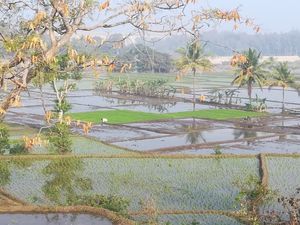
x=127, y=116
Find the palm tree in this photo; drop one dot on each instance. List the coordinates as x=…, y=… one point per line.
x=193, y=58
x=283, y=78
x=250, y=71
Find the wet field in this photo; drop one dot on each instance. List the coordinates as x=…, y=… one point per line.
x=271, y=134
x=172, y=183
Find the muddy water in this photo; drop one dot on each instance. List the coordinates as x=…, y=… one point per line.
x=52, y=219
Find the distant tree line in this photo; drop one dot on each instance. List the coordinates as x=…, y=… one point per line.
x=146, y=59
x=221, y=43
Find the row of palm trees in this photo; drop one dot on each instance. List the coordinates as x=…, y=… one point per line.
x=254, y=71
x=250, y=69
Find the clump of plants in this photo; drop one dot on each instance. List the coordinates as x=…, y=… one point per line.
x=227, y=96
x=217, y=150
x=111, y=202
x=9, y=147
x=4, y=139
x=59, y=137
x=253, y=194
x=18, y=148
x=150, y=88
x=257, y=104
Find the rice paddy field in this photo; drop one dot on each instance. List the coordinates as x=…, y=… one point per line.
x=174, y=186
x=172, y=165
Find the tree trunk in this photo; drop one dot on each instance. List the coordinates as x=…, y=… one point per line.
x=250, y=92
x=42, y=98
x=29, y=73
x=283, y=99
x=194, y=94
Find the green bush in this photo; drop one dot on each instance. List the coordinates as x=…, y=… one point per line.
x=63, y=106
x=112, y=203
x=60, y=138
x=4, y=139
x=18, y=149
x=150, y=88
x=217, y=150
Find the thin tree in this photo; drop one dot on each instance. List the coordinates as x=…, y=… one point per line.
x=283, y=77
x=193, y=58
x=250, y=70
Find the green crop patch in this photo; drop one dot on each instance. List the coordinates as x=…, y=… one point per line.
x=177, y=184
x=127, y=116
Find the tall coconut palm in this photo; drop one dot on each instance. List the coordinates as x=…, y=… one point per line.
x=250, y=71
x=193, y=58
x=283, y=77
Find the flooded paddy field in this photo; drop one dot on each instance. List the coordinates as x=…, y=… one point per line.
x=187, y=169
x=172, y=184
x=182, y=135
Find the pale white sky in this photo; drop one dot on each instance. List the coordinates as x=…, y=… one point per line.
x=272, y=15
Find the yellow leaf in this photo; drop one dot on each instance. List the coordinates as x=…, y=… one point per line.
x=104, y=5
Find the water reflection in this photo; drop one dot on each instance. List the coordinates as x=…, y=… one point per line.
x=245, y=134
x=194, y=133
x=56, y=218
x=157, y=106
x=65, y=180
x=4, y=173
x=161, y=107
x=6, y=169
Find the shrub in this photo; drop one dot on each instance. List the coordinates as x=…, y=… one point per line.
x=150, y=88
x=60, y=138
x=18, y=149
x=4, y=139
x=217, y=150
x=63, y=106
x=112, y=203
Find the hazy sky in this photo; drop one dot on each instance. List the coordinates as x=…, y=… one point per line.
x=272, y=15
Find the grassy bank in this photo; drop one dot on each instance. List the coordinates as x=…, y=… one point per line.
x=127, y=116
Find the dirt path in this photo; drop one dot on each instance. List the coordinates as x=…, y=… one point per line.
x=8, y=200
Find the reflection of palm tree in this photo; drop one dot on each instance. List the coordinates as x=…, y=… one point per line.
x=194, y=133
x=65, y=180
x=7, y=166
x=244, y=134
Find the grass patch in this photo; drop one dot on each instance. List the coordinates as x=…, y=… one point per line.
x=127, y=116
